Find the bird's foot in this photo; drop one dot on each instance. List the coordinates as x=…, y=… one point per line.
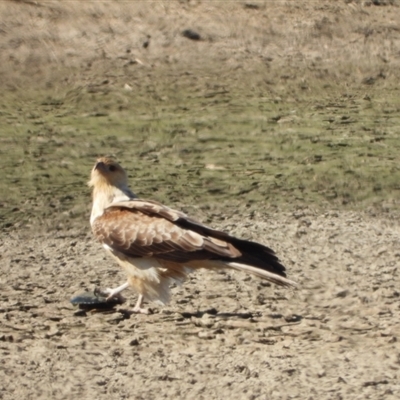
x=113, y=294
x=140, y=310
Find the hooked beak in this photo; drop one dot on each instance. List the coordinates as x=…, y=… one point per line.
x=100, y=166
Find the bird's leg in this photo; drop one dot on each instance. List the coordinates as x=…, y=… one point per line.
x=138, y=309
x=116, y=291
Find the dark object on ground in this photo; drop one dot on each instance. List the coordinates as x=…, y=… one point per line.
x=190, y=34
x=96, y=300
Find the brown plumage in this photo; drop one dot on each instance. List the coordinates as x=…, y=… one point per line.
x=157, y=245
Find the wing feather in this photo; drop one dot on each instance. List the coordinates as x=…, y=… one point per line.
x=136, y=234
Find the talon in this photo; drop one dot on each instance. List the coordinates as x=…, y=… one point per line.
x=139, y=310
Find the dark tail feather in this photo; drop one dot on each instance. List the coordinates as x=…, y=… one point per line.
x=255, y=256
x=258, y=255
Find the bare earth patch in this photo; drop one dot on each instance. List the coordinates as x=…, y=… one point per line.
x=223, y=334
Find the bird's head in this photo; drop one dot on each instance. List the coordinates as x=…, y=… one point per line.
x=110, y=185
x=107, y=172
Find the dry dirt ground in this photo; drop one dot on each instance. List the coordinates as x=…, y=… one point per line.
x=224, y=334
x=280, y=125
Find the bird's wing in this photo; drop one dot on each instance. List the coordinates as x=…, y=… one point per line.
x=148, y=229
x=140, y=228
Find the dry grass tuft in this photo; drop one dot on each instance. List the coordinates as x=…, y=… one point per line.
x=339, y=40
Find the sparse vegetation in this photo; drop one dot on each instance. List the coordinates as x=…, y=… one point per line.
x=289, y=104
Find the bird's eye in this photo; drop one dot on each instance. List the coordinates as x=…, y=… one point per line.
x=112, y=168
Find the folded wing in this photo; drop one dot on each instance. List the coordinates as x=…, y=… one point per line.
x=142, y=228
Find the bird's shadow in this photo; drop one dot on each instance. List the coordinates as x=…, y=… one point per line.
x=290, y=319
x=213, y=311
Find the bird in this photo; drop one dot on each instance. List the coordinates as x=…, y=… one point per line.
x=157, y=245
